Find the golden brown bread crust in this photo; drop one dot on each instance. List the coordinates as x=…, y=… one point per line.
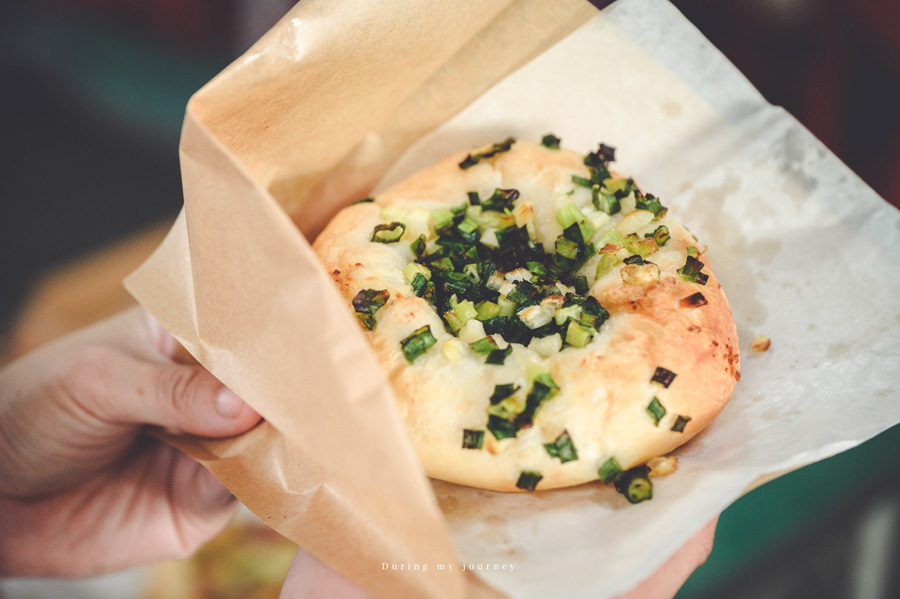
x=605, y=387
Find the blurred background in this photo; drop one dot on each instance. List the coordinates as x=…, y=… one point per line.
x=92, y=100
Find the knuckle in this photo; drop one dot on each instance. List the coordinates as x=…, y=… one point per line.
x=177, y=386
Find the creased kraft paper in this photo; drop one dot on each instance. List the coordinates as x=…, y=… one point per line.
x=343, y=97
x=308, y=119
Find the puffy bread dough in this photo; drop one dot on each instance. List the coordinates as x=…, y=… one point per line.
x=605, y=387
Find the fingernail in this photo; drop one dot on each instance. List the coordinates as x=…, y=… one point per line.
x=228, y=404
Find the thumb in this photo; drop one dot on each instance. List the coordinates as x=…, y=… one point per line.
x=191, y=400
x=127, y=373
x=181, y=397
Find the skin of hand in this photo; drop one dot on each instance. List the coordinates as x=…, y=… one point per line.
x=84, y=489
x=309, y=578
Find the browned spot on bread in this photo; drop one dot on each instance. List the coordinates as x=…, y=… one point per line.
x=693, y=301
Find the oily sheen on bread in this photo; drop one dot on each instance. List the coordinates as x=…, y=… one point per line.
x=543, y=322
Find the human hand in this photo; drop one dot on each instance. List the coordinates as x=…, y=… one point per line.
x=83, y=489
x=308, y=578
x=665, y=582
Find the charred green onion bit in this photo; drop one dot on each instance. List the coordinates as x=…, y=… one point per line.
x=664, y=378
x=390, y=233
x=528, y=480
x=416, y=343
x=562, y=448
x=634, y=484
x=491, y=151
x=472, y=439
x=367, y=302
x=508, y=413
x=691, y=271
x=550, y=141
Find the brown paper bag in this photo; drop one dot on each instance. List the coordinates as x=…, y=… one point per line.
x=306, y=121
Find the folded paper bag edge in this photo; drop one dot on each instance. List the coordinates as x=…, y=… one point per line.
x=170, y=262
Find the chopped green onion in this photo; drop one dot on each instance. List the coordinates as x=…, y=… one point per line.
x=483, y=346
x=578, y=335
x=612, y=237
x=641, y=246
x=500, y=200
x=422, y=287
x=660, y=235
x=635, y=485
x=543, y=387
x=415, y=345
x=498, y=356
x=566, y=248
x=465, y=310
x=528, y=480
x=561, y=315
x=461, y=313
x=501, y=428
x=475, y=157
x=367, y=320
x=412, y=269
x=592, y=313
x=367, y=302
x=471, y=271
x=550, y=141
x=691, y=271
x=568, y=215
x=467, y=228
x=651, y=203
x=621, y=188
x=390, y=233
x=418, y=246
x=363, y=201
x=581, y=285
x=472, y=439
x=605, y=201
x=656, y=410
x=523, y=293
x=610, y=471
x=581, y=181
x=562, y=448
x=501, y=392
x=442, y=264
x=487, y=310
x=693, y=251
x=474, y=200
x=605, y=265
x=680, y=423
x=443, y=219
x=603, y=156
x=536, y=268
x=508, y=408
x=507, y=306
x=662, y=376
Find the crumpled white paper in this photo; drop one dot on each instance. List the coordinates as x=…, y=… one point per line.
x=807, y=253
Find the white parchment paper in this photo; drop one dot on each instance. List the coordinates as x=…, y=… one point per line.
x=807, y=253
